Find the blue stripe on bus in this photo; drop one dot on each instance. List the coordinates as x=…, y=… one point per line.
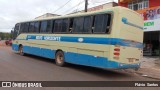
x=91, y=40
x=125, y=21
x=15, y=47
x=79, y=59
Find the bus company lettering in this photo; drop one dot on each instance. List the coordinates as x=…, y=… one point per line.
x=52, y=38
x=39, y=37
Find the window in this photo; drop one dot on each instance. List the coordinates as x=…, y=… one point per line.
x=43, y=26
x=130, y=5
x=83, y=24
x=138, y=4
x=78, y=24
x=31, y=27
x=87, y=24
x=58, y=26
x=65, y=25
x=22, y=28
x=34, y=27
x=135, y=7
x=102, y=23
x=46, y=26
x=146, y=4
x=26, y=26
x=61, y=25
x=49, y=26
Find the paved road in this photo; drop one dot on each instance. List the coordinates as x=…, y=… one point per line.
x=16, y=67
x=26, y=68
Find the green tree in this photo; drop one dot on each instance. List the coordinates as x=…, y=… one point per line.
x=5, y=35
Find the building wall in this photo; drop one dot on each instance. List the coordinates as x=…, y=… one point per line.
x=46, y=15
x=109, y=5
x=152, y=3
x=100, y=7
x=103, y=6
x=122, y=4
x=125, y=4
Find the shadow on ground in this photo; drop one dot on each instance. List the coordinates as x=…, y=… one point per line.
x=104, y=73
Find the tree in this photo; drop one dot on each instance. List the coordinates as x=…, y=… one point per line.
x=5, y=35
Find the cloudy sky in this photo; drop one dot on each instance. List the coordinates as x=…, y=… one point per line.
x=13, y=11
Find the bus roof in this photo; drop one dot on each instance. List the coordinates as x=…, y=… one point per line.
x=112, y=9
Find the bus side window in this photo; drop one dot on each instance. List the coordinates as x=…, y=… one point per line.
x=26, y=26
x=101, y=23
x=65, y=25
x=78, y=24
x=71, y=25
x=36, y=27
x=87, y=24
x=21, y=28
x=49, y=26
x=43, y=26
x=61, y=25
x=58, y=25
x=31, y=27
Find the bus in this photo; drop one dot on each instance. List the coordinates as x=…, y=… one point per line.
x=110, y=39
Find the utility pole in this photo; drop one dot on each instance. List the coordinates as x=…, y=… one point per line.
x=86, y=5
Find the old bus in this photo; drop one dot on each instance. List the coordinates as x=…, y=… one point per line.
x=110, y=38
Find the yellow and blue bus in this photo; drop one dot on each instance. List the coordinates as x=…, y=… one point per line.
x=110, y=38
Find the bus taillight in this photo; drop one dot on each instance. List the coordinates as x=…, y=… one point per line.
x=116, y=49
x=116, y=53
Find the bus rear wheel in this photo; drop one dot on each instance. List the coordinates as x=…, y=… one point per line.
x=60, y=58
x=21, y=50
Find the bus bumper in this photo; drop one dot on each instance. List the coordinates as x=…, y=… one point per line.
x=118, y=65
x=126, y=66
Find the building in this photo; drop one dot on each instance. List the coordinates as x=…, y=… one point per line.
x=46, y=15
x=103, y=6
x=150, y=10
x=99, y=7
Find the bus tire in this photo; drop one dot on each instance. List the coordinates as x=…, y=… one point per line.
x=20, y=50
x=59, y=59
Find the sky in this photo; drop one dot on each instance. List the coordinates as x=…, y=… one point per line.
x=14, y=11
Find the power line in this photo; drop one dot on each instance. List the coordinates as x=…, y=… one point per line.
x=62, y=6
x=78, y=5
x=74, y=6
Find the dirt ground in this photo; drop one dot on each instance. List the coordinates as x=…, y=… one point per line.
x=150, y=67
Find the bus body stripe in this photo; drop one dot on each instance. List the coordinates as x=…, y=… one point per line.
x=90, y=40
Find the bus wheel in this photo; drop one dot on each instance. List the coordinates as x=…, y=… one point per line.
x=21, y=50
x=60, y=58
